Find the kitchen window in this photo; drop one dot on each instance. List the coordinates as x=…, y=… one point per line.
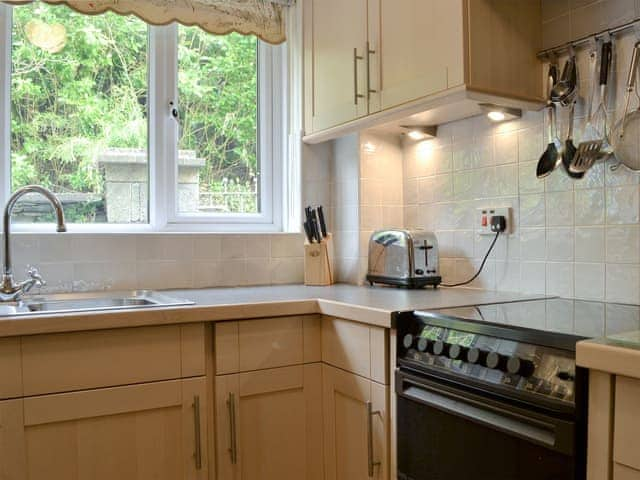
x=138, y=127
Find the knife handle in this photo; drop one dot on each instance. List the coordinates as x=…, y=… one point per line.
x=323, y=224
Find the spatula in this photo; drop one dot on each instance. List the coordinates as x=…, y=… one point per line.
x=595, y=131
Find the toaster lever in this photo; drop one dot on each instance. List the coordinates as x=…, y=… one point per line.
x=425, y=246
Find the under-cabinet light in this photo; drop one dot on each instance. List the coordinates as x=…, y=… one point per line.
x=498, y=113
x=420, y=133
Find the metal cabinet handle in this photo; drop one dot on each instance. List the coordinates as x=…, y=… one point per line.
x=196, y=423
x=233, y=449
x=369, y=53
x=371, y=464
x=356, y=57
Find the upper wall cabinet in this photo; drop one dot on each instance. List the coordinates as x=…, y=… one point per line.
x=373, y=62
x=420, y=47
x=337, y=39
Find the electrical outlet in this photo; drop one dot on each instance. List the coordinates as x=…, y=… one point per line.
x=483, y=219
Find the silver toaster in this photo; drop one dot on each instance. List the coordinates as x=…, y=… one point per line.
x=407, y=258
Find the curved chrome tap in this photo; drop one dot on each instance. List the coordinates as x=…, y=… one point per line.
x=11, y=291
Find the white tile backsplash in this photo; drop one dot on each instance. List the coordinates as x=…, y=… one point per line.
x=623, y=244
x=589, y=281
x=532, y=277
x=560, y=279
x=79, y=262
x=623, y=204
x=589, y=206
x=571, y=237
x=622, y=283
x=560, y=244
x=589, y=244
x=533, y=244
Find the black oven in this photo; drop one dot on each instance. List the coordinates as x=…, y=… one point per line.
x=483, y=401
x=447, y=433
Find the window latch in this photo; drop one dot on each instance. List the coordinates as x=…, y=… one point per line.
x=173, y=111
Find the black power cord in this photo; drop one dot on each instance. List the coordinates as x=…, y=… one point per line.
x=484, y=260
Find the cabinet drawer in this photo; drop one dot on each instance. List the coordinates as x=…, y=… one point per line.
x=627, y=422
x=266, y=343
x=356, y=348
x=620, y=472
x=82, y=360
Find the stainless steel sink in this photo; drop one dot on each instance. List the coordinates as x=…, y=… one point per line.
x=90, y=302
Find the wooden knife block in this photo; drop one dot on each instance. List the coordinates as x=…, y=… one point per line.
x=318, y=262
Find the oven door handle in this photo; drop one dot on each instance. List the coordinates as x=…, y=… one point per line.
x=548, y=434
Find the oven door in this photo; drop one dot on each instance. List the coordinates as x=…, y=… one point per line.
x=447, y=433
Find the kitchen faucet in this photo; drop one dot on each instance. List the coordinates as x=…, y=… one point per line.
x=11, y=291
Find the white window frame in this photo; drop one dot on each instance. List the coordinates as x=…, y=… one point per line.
x=279, y=163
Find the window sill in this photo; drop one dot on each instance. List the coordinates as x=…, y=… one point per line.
x=219, y=229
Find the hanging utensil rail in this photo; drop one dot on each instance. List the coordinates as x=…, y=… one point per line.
x=554, y=51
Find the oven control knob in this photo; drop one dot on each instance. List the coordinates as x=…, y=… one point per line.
x=457, y=352
x=496, y=361
x=520, y=366
x=441, y=348
x=407, y=340
x=475, y=355
x=423, y=344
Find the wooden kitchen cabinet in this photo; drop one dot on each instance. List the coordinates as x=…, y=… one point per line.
x=269, y=424
x=626, y=423
x=356, y=426
x=266, y=343
x=72, y=361
x=420, y=49
x=356, y=347
x=614, y=409
x=425, y=61
x=337, y=37
x=134, y=432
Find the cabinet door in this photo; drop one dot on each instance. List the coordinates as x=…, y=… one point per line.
x=269, y=424
x=355, y=418
x=356, y=348
x=336, y=61
x=626, y=421
x=129, y=433
x=421, y=48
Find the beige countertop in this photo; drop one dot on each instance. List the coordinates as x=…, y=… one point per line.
x=372, y=305
x=616, y=354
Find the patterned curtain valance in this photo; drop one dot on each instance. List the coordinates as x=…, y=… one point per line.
x=263, y=18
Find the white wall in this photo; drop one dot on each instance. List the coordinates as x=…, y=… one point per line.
x=80, y=262
x=381, y=192
x=565, y=20
x=345, y=192
x=367, y=194
x=572, y=238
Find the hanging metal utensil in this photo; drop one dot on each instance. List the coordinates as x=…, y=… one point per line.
x=627, y=131
x=564, y=90
x=602, y=120
x=569, y=147
x=595, y=136
x=552, y=156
